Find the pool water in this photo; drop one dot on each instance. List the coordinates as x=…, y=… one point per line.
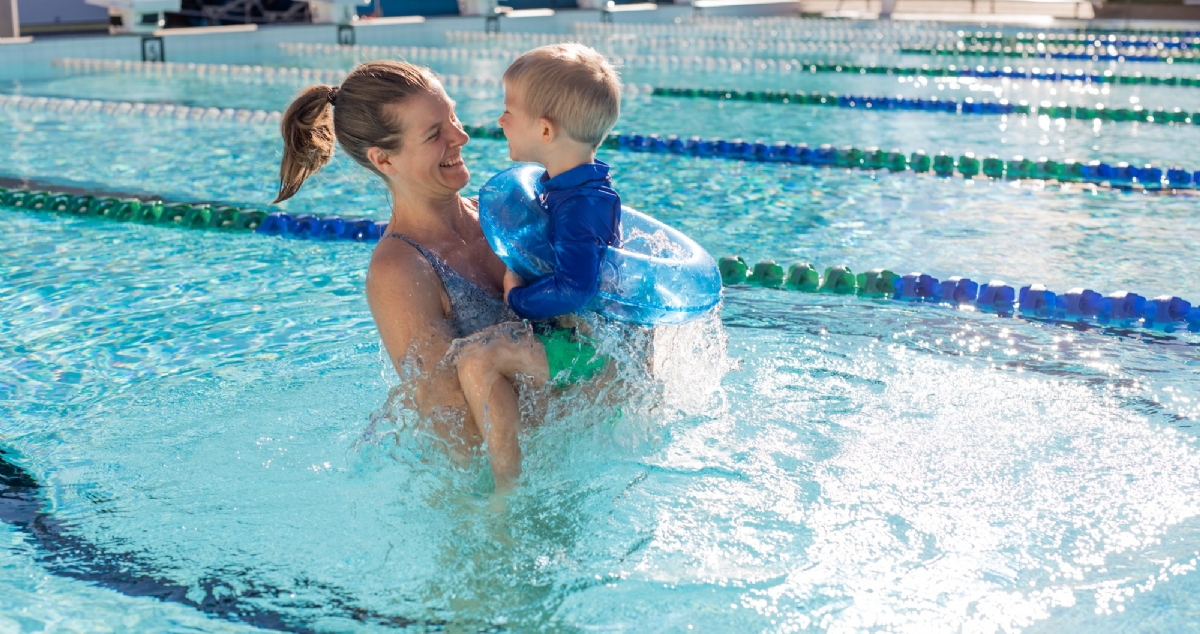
x=211, y=421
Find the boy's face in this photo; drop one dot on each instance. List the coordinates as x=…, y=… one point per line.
x=522, y=130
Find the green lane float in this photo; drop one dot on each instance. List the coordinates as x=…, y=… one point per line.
x=733, y=270
x=876, y=283
x=767, y=274
x=838, y=279
x=803, y=277
x=149, y=211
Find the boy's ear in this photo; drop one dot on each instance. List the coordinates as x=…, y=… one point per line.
x=547, y=130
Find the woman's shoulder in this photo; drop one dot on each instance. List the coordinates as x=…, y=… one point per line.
x=396, y=264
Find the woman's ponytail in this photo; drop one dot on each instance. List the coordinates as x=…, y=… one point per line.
x=308, y=138
x=364, y=107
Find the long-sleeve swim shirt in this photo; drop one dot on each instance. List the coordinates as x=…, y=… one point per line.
x=585, y=219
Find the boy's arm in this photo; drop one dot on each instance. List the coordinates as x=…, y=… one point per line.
x=581, y=236
x=511, y=281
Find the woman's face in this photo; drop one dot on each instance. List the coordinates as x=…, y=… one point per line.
x=430, y=156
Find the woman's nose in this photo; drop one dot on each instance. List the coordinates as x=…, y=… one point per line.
x=461, y=137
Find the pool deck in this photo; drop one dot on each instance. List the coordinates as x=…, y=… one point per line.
x=430, y=31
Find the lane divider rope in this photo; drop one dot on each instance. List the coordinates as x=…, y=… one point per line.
x=216, y=217
x=1035, y=301
x=137, y=109
x=1121, y=175
x=767, y=25
x=1166, y=313
x=749, y=65
x=266, y=74
x=1088, y=39
x=822, y=30
x=1077, y=53
x=934, y=104
x=777, y=43
x=695, y=44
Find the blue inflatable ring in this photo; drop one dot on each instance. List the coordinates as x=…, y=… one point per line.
x=658, y=276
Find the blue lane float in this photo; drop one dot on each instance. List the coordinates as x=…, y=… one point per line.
x=311, y=227
x=1166, y=313
x=658, y=276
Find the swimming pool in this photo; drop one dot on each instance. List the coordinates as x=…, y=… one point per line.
x=206, y=413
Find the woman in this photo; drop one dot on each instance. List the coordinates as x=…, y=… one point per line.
x=433, y=278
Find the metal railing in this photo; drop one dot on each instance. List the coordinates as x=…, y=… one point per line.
x=245, y=11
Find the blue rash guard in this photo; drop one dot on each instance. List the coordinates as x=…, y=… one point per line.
x=585, y=219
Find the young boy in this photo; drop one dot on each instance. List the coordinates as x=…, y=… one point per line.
x=560, y=101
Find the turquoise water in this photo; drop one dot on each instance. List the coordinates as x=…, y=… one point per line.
x=212, y=411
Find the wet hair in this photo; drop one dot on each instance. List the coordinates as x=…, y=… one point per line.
x=359, y=114
x=570, y=84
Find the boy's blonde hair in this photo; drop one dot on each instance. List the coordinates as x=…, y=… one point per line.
x=570, y=84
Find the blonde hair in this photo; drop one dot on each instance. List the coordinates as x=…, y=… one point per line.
x=570, y=84
x=358, y=115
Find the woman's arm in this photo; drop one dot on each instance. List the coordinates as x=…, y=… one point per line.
x=409, y=306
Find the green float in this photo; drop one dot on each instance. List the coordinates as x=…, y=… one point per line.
x=968, y=165
x=767, y=274
x=38, y=201
x=127, y=210
x=802, y=276
x=60, y=203
x=876, y=283
x=151, y=212
x=248, y=220
x=943, y=164
x=839, y=280
x=18, y=198
x=993, y=167
x=104, y=207
x=80, y=205
x=198, y=217
x=733, y=270
x=920, y=162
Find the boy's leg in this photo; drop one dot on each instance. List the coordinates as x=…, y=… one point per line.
x=488, y=364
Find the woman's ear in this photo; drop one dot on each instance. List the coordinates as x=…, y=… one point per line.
x=549, y=131
x=380, y=159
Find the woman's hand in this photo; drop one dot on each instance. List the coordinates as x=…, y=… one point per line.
x=511, y=281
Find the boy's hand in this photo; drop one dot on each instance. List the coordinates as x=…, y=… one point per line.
x=511, y=281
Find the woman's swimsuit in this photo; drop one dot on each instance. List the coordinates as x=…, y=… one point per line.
x=471, y=308
x=571, y=358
